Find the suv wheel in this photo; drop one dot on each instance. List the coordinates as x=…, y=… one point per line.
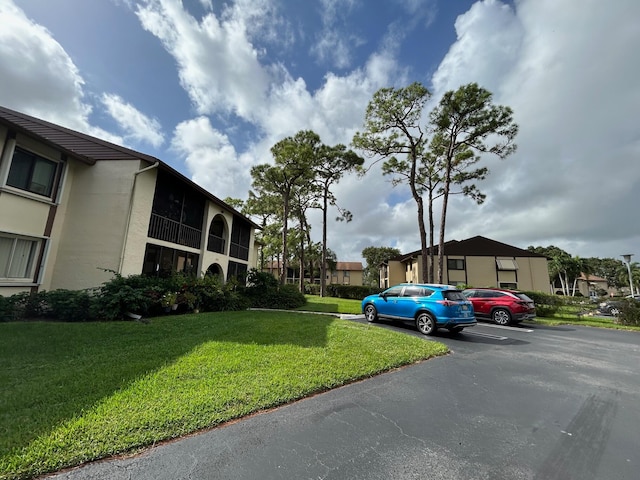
x=370, y=313
x=426, y=323
x=501, y=316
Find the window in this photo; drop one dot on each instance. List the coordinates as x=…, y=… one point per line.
x=32, y=173
x=17, y=257
x=177, y=212
x=239, y=245
x=506, y=264
x=238, y=271
x=162, y=261
x=509, y=285
x=455, y=264
x=216, y=235
x=393, y=291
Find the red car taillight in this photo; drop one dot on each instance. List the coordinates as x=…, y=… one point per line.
x=447, y=303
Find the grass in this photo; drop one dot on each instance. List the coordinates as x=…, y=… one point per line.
x=319, y=304
x=582, y=315
x=78, y=392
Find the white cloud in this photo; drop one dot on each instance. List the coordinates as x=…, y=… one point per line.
x=38, y=76
x=335, y=40
x=138, y=127
x=212, y=159
x=217, y=64
x=566, y=71
x=29, y=55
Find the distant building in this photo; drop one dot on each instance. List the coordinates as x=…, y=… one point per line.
x=593, y=286
x=478, y=262
x=74, y=209
x=345, y=273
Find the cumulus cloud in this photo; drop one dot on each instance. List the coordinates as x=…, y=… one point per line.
x=212, y=158
x=218, y=66
x=335, y=41
x=566, y=73
x=138, y=126
x=38, y=76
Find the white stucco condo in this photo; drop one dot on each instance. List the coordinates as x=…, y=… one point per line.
x=74, y=209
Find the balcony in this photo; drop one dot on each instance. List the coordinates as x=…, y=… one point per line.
x=216, y=244
x=169, y=230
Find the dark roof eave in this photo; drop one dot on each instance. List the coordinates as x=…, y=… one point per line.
x=47, y=132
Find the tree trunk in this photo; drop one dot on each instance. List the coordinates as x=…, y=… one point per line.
x=301, y=257
x=285, y=227
x=431, y=229
x=323, y=261
x=423, y=241
x=443, y=219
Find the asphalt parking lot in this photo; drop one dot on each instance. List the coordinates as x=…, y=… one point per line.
x=529, y=402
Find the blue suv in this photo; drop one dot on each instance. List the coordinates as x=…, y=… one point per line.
x=429, y=306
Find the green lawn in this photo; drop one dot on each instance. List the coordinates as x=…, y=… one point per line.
x=77, y=392
x=316, y=303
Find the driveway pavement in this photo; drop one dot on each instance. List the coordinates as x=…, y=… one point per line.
x=507, y=403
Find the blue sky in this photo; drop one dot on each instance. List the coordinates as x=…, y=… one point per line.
x=210, y=86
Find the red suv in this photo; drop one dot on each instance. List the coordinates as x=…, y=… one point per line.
x=504, y=307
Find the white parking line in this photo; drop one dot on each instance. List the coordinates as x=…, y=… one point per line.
x=517, y=329
x=486, y=335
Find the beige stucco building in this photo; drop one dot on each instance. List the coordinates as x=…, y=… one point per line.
x=74, y=209
x=345, y=273
x=477, y=262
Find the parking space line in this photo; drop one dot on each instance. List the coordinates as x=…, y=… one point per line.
x=486, y=335
x=517, y=329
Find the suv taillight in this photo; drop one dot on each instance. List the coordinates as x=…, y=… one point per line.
x=446, y=303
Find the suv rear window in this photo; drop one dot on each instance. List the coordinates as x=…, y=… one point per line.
x=522, y=296
x=455, y=295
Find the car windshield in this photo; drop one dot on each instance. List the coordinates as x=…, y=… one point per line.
x=455, y=295
x=522, y=296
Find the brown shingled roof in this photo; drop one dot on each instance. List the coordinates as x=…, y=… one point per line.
x=351, y=266
x=477, y=246
x=84, y=147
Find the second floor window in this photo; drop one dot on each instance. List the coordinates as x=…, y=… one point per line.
x=32, y=173
x=455, y=264
x=240, y=237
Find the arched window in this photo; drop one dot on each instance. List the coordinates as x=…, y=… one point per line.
x=215, y=270
x=217, y=235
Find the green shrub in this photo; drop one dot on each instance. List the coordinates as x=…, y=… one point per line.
x=6, y=309
x=135, y=294
x=264, y=291
x=353, y=292
x=69, y=305
x=546, y=304
x=312, y=289
x=288, y=296
x=629, y=313
x=27, y=305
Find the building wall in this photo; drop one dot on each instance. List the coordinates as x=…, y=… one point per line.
x=396, y=273
x=532, y=273
x=98, y=220
x=26, y=214
x=353, y=277
x=94, y=227
x=132, y=256
x=215, y=258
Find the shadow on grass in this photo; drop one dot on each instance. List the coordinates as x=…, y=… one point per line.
x=53, y=372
